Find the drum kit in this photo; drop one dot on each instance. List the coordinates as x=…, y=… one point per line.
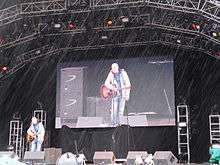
x=71, y=159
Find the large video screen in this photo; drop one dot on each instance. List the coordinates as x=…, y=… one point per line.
x=132, y=91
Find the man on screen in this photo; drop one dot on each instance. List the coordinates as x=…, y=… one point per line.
x=118, y=81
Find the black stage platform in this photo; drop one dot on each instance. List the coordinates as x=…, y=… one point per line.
x=120, y=140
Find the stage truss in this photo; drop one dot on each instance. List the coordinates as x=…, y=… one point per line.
x=170, y=19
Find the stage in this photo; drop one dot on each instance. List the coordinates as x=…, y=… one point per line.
x=120, y=140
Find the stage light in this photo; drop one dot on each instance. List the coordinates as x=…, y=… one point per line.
x=38, y=52
x=104, y=37
x=178, y=41
x=25, y=25
x=195, y=26
x=4, y=69
x=109, y=23
x=215, y=34
x=124, y=19
x=57, y=25
x=71, y=25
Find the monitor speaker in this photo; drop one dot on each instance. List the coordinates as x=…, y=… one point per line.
x=164, y=158
x=132, y=155
x=102, y=157
x=34, y=157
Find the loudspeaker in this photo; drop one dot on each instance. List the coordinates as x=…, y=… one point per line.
x=164, y=158
x=132, y=155
x=71, y=92
x=102, y=157
x=52, y=154
x=34, y=157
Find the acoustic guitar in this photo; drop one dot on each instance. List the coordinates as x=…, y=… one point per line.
x=30, y=137
x=107, y=93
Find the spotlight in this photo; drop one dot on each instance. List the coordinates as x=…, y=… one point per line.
x=104, y=37
x=4, y=69
x=109, y=23
x=38, y=52
x=215, y=34
x=71, y=26
x=178, y=41
x=57, y=25
x=124, y=19
x=195, y=26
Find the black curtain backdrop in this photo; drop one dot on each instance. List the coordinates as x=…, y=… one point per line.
x=197, y=83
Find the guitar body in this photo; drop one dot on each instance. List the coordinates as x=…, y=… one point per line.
x=30, y=138
x=106, y=93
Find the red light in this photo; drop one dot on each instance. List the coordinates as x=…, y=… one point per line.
x=5, y=68
x=195, y=26
x=71, y=26
x=109, y=23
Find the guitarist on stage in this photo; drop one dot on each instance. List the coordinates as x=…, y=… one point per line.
x=118, y=81
x=35, y=135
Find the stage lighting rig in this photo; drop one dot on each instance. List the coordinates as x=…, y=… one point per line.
x=214, y=34
x=4, y=68
x=57, y=25
x=196, y=26
x=124, y=19
x=109, y=23
x=71, y=25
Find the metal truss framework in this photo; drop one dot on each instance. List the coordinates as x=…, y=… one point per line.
x=9, y=15
x=32, y=7
x=210, y=8
x=118, y=37
x=140, y=17
x=174, y=21
x=37, y=7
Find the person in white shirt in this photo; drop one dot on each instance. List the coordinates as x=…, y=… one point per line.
x=37, y=131
x=118, y=81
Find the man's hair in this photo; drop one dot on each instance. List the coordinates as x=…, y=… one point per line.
x=115, y=64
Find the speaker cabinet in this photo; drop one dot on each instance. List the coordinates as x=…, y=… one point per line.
x=132, y=155
x=71, y=94
x=102, y=157
x=34, y=157
x=164, y=158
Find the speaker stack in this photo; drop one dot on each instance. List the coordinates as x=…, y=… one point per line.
x=71, y=96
